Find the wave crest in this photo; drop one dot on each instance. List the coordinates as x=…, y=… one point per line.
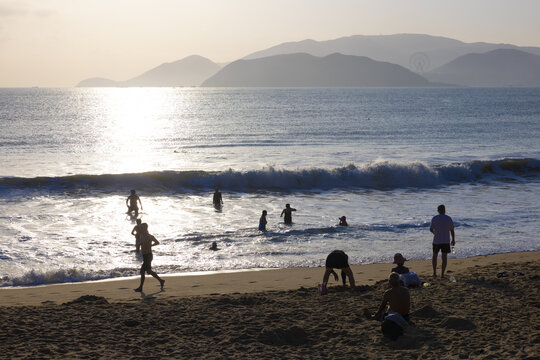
x=381, y=175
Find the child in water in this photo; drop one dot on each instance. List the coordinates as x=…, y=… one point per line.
x=262, y=221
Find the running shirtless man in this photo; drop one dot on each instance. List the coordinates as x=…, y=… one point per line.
x=147, y=241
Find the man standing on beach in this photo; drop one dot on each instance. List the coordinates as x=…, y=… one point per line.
x=442, y=227
x=147, y=241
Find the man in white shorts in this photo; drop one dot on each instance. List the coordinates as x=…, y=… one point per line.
x=442, y=227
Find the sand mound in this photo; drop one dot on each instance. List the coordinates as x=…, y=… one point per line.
x=88, y=299
x=426, y=312
x=283, y=336
x=458, y=324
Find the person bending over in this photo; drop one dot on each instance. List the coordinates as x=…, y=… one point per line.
x=337, y=259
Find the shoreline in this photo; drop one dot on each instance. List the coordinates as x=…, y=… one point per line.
x=235, y=281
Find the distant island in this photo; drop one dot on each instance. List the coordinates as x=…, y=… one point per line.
x=501, y=67
x=304, y=70
x=392, y=60
x=190, y=71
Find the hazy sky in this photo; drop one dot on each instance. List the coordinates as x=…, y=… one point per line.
x=60, y=42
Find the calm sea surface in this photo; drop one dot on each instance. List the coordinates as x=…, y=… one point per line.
x=385, y=158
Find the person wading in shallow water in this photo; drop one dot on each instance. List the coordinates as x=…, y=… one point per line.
x=217, y=199
x=288, y=214
x=132, y=200
x=147, y=241
x=262, y=221
x=137, y=233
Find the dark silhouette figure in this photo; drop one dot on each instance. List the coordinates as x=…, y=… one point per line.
x=262, y=221
x=288, y=214
x=137, y=232
x=217, y=199
x=337, y=259
x=131, y=203
x=147, y=241
x=343, y=221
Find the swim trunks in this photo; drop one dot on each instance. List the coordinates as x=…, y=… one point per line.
x=445, y=248
x=147, y=262
x=337, y=259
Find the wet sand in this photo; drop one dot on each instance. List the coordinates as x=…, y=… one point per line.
x=490, y=311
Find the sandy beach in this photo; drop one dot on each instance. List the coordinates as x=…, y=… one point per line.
x=489, y=312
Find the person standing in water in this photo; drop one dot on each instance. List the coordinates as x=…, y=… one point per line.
x=217, y=200
x=131, y=203
x=137, y=233
x=147, y=241
x=343, y=221
x=262, y=221
x=288, y=214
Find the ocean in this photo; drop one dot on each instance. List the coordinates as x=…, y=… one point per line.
x=383, y=157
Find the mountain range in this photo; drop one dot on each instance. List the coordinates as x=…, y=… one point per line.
x=190, y=71
x=437, y=59
x=304, y=70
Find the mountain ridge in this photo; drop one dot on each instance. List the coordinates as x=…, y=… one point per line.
x=305, y=70
x=189, y=71
x=496, y=68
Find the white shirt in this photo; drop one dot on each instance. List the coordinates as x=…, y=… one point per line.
x=441, y=225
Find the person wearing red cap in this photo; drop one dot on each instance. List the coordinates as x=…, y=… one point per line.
x=399, y=260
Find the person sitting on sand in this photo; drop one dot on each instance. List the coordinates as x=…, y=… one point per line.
x=337, y=259
x=147, y=241
x=394, y=308
x=396, y=299
x=217, y=200
x=408, y=279
x=400, y=260
x=288, y=214
x=214, y=246
x=343, y=221
x=262, y=221
x=137, y=233
x=132, y=200
x=442, y=227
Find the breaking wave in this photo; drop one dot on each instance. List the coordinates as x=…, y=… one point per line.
x=382, y=175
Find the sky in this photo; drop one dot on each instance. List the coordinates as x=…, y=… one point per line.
x=58, y=43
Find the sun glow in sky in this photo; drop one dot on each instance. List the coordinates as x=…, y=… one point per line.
x=61, y=42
